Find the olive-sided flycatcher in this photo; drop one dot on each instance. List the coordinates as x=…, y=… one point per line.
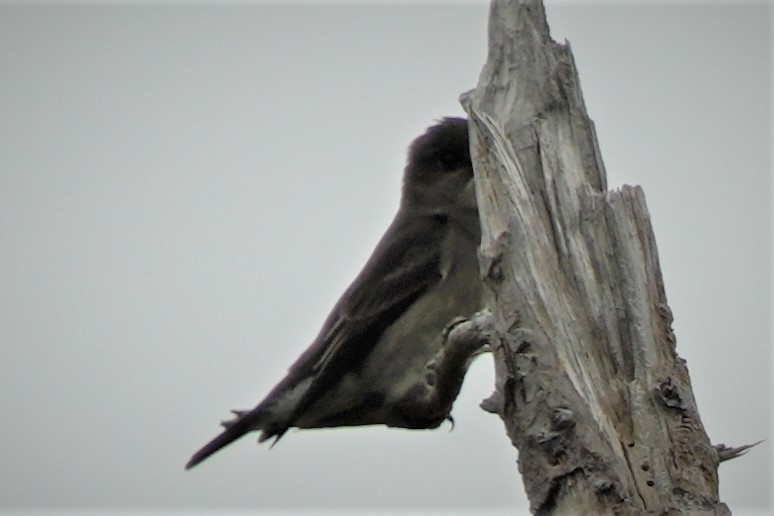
x=380, y=356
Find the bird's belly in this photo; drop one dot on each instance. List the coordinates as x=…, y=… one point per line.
x=399, y=360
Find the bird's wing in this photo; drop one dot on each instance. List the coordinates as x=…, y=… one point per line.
x=405, y=263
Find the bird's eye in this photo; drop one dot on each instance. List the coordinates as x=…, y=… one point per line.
x=449, y=161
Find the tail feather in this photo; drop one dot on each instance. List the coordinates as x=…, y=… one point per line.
x=245, y=421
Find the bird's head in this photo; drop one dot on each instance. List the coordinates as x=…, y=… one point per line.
x=439, y=172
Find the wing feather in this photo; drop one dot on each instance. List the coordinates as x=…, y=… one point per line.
x=405, y=263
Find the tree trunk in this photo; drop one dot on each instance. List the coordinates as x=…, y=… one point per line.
x=589, y=385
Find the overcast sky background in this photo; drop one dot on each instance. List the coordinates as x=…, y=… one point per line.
x=186, y=190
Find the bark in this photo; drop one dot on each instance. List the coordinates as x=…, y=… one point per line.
x=589, y=385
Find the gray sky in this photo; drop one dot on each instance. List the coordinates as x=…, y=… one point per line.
x=185, y=191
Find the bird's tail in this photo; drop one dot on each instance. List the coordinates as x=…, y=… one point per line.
x=244, y=422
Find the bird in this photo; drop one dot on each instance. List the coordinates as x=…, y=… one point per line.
x=381, y=356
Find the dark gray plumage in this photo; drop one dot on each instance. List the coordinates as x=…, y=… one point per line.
x=376, y=359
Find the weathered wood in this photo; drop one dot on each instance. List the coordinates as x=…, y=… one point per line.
x=591, y=389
